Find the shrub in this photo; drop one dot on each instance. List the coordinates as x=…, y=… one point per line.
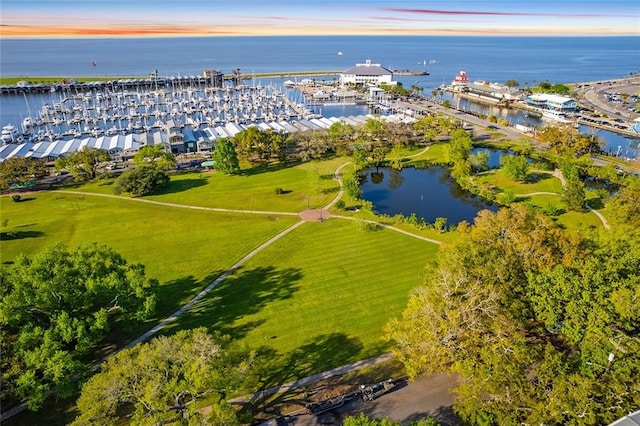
x=142, y=180
x=340, y=205
x=279, y=191
x=508, y=196
x=16, y=197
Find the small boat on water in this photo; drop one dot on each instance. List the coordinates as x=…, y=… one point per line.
x=10, y=134
x=554, y=115
x=339, y=53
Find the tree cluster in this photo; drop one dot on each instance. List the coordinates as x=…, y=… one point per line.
x=83, y=164
x=542, y=327
x=161, y=381
x=564, y=140
x=20, y=170
x=262, y=146
x=57, y=307
x=156, y=155
x=515, y=166
x=363, y=420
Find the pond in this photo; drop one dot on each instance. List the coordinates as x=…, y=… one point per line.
x=429, y=193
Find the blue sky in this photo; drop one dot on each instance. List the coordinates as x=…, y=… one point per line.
x=243, y=17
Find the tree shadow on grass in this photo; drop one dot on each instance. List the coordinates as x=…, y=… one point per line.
x=19, y=235
x=243, y=293
x=536, y=177
x=265, y=168
x=170, y=297
x=24, y=199
x=182, y=185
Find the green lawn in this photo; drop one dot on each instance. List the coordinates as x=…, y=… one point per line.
x=536, y=182
x=253, y=189
x=542, y=182
x=319, y=296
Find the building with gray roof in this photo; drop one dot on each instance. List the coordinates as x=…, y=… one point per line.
x=366, y=74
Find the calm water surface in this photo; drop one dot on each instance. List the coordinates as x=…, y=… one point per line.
x=525, y=59
x=429, y=193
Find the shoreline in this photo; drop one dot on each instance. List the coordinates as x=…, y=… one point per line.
x=12, y=81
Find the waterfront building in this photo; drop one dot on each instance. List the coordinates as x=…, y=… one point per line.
x=366, y=74
x=461, y=79
x=552, y=102
x=214, y=78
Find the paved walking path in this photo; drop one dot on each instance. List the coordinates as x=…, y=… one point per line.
x=313, y=379
x=210, y=287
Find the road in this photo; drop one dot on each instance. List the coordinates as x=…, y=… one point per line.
x=407, y=402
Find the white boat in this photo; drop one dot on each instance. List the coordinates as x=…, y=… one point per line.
x=10, y=134
x=558, y=116
x=339, y=53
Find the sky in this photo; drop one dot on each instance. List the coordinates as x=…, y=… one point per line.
x=108, y=18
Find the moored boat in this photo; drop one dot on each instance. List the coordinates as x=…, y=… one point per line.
x=10, y=134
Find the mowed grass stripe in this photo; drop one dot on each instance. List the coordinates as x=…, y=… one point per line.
x=322, y=279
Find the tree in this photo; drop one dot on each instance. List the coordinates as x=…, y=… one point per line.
x=624, y=206
x=58, y=306
x=373, y=127
x=480, y=161
x=341, y=131
x=351, y=185
x=20, y=170
x=378, y=156
x=541, y=325
x=511, y=83
x=225, y=157
x=161, y=381
x=458, y=153
x=573, y=193
x=515, y=166
x=156, y=154
x=359, y=157
x=362, y=420
x=142, y=180
x=252, y=144
x=84, y=163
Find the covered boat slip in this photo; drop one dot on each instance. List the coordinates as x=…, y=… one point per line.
x=126, y=145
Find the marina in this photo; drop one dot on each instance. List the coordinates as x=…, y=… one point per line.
x=186, y=118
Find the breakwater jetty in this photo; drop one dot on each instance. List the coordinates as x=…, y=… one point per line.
x=210, y=78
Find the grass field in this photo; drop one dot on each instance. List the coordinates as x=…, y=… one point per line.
x=543, y=182
x=316, y=299
x=307, y=184
x=536, y=182
x=319, y=296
